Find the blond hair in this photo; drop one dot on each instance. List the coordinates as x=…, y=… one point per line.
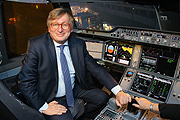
x=57, y=13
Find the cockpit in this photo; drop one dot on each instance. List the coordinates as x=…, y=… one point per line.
x=137, y=42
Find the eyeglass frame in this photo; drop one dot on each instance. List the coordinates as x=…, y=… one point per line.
x=69, y=25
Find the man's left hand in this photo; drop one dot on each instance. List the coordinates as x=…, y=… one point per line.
x=122, y=98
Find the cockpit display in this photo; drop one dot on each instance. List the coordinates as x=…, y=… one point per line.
x=118, y=52
x=151, y=86
x=159, y=61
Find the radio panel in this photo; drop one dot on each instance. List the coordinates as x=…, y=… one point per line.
x=130, y=34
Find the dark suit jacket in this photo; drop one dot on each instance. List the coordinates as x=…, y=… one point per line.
x=38, y=77
x=169, y=111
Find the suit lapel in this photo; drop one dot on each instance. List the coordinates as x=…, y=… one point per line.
x=52, y=55
x=74, y=53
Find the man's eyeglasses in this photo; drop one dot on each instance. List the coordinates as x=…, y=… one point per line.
x=64, y=26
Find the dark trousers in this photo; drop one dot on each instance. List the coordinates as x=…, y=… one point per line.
x=96, y=99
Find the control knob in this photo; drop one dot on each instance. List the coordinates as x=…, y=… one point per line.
x=158, y=40
x=142, y=38
x=148, y=39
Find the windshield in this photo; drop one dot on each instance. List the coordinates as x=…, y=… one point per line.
x=107, y=15
x=22, y=22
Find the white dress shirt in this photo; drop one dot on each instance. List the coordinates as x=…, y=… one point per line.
x=61, y=87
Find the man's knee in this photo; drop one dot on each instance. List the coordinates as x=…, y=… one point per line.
x=102, y=98
x=64, y=116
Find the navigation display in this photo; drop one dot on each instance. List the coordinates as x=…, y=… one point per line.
x=159, y=61
x=151, y=86
x=118, y=52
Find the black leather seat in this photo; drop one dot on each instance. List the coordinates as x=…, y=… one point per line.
x=16, y=109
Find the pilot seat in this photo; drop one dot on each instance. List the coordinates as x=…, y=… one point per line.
x=14, y=107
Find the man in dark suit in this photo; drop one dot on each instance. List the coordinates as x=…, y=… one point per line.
x=42, y=79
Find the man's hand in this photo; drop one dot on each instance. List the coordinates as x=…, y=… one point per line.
x=142, y=103
x=55, y=109
x=145, y=104
x=122, y=98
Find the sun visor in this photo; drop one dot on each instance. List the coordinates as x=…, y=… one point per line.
x=30, y=1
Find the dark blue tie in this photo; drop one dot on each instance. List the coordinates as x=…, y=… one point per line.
x=67, y=79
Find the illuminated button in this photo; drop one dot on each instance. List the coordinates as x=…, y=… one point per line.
x=148, y=38
x=122, y=35
x=165, y=41
x=142, y=37
x=127, y=37
x=146, y=69
x=178, y=95
x=174, y=94
x=173, y=44
x=158, y=40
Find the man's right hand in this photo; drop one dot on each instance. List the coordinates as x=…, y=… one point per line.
x=55, y=109
x=142, y=103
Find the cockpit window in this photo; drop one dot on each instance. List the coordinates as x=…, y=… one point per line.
x=23, y=21
x=107, y=15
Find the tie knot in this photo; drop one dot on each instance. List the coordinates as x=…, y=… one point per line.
x=61, y=47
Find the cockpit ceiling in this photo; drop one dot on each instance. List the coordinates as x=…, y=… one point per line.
x=55, y=1
x=130, y=1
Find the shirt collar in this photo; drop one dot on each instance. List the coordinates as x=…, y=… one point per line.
x=57, y=44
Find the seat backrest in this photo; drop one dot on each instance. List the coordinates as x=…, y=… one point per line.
x=5, y=113
x=16, y=107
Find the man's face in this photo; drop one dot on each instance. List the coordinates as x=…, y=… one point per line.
x=59, y=34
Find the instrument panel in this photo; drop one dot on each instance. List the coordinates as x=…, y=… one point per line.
x=144, y=51
x=152, y=66
x=163, y=38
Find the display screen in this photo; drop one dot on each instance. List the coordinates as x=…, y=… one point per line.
x=159, y=61
x=109, y=114
x=129, y=74
x=118, y=52
x=151, y=86
x=95, y=48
